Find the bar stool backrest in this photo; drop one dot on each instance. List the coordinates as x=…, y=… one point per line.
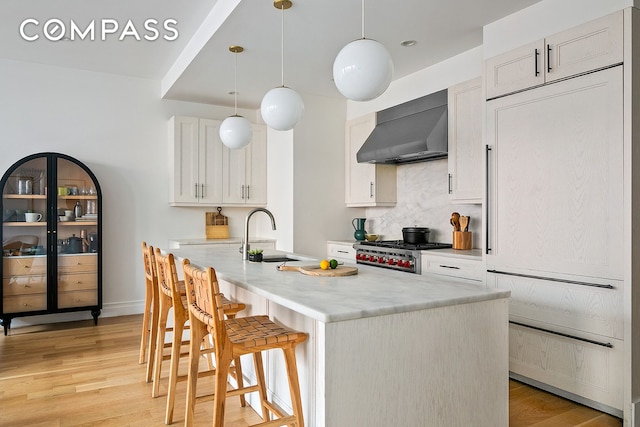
x=149, y=264
x=168, y=278
x=205, y=299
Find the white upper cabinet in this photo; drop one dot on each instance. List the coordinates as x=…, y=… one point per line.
x=556, y=167
x=366, y=184
x=465, y=142
x=245, y=171
x=596, y=44
x=195, y=153
x=203, y=172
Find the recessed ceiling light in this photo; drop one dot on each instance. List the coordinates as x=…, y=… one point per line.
x=408, y=43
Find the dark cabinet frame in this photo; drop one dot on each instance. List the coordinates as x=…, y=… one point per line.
x=52, y=238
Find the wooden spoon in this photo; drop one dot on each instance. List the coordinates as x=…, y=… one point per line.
x=455, y=221
x=464, y=223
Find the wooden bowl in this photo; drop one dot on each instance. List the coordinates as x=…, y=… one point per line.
x=371, y=237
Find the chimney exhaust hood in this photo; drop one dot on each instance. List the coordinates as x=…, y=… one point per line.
x=415, y=131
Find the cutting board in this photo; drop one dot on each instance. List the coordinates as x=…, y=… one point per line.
x=311, y=270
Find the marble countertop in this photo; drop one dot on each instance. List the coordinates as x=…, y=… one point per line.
x=372, y=292
x=205, y=241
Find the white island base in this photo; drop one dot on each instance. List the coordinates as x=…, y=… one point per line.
x=444, y=366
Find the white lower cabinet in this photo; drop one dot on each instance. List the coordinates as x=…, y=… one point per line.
x=585, y=369
x=341, y=251
x=463, y=268
x=566, y=332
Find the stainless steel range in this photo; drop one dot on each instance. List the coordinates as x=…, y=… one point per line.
x=394, y=254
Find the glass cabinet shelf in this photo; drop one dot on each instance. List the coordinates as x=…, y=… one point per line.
x=26, y=196
x=83, y=197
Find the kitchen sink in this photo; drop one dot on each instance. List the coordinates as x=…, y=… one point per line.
x=282, y=258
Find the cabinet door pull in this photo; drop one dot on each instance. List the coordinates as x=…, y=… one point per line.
x=536, y=62
x=371, y=190
x=243, y=192
x=449, y=183
x=342, y=252
x=202, y=191
x=196, y=189
x=552, y=279
x=452, y=267
x=573, y=337
x=486, y=202
x=248, y=192
x=548, y=58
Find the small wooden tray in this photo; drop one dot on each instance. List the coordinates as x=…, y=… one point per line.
x=312, y=270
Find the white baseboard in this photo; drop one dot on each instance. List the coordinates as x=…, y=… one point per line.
x=108, y=310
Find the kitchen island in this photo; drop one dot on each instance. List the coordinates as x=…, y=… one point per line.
x=385, y=348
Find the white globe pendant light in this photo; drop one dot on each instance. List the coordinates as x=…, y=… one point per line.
x=236, y=131
x=282, y=107
x=363, y=69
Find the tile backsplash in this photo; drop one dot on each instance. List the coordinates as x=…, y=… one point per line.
x=423, y=201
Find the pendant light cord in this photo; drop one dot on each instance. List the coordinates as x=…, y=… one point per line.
x=282, y=45
x=235, y=86
x=363, y=19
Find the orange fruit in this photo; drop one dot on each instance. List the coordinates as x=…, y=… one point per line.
x=324, y=264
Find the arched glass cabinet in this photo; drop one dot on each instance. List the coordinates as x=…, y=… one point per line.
x=51, y=238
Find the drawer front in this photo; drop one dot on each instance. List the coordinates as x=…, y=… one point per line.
x=77, y=282
x=77, y=299
x=576, y=306
x=24, y=285
x=24, y=266
x=589, y=370
x=454, y=267
x=77, y=263
x=341, y=251
x=23, y=303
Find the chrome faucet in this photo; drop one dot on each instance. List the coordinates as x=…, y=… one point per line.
x=245, y=240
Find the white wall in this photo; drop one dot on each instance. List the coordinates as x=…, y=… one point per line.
x=117, y=126
x=318, y=174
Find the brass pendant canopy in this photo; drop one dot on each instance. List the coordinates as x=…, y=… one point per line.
x=236, y=49
x=282, y=4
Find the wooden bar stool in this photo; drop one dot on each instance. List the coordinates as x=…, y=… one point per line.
x=151, y=307
x=233, y=338
x=172, y=294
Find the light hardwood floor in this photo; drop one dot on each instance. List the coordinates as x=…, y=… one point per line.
x=77, y=374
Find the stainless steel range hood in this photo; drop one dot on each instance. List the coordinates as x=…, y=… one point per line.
x=415, y=131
